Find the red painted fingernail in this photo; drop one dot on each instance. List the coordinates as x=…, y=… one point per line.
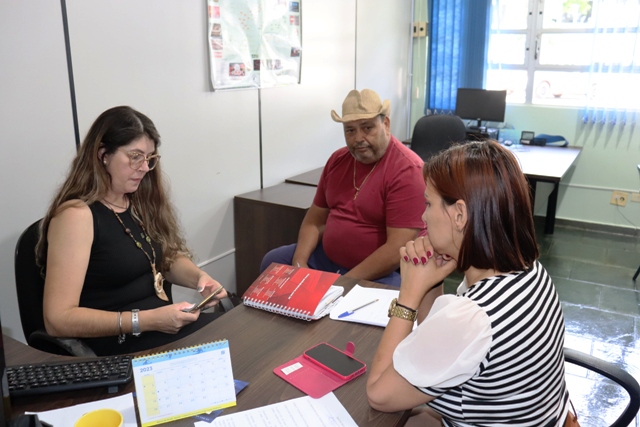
x=415, y=261
x=406, y=258
x=424, y=260
x=429, y=254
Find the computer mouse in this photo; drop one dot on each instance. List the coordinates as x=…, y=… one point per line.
x=508, y=142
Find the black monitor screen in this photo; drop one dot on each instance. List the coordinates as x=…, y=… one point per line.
x=481, y=104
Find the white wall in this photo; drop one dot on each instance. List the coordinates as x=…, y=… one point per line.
x=36, y=128
x=152, y=55
x=384, y=43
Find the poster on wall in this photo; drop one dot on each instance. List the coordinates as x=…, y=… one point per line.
x=254, y=43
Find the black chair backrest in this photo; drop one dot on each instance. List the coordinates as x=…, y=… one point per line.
x=435, y=133
x=29, y=281
x=615, y=374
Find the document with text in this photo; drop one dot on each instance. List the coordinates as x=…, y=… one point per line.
x=304, y=411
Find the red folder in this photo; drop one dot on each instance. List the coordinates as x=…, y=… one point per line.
x=311, y=378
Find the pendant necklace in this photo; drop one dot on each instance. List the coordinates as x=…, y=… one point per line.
x=157, y=276
x=365, y=178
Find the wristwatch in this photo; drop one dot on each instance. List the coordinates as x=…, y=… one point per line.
x=399, y=310
x=135, y=323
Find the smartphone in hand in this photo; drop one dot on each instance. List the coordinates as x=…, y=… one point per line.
x=204, y=302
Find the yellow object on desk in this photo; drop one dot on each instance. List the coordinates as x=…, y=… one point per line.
x=100, y=418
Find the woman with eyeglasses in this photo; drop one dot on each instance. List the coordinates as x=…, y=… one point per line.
x=493, y=353
x=110, y=239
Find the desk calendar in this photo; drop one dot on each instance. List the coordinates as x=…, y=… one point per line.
x=183, y=382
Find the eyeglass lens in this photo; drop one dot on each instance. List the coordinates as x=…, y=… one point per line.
x=138, y=159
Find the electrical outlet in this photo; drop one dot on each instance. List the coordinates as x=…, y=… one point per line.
x=619, y=198
x=635, y=197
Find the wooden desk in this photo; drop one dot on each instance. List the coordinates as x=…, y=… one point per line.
x=259, y=341
x=264, y=220
x=308, y=178
x=539, y=164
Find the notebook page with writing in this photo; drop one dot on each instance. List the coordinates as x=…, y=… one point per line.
x=374, y=314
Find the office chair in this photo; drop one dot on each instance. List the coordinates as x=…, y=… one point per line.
x=615, y=374
x=30, y=290
x=435, y=133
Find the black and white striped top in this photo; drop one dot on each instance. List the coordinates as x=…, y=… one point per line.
x=520, y=379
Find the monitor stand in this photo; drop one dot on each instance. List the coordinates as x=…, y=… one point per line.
x=477, y=133
x=479, y=128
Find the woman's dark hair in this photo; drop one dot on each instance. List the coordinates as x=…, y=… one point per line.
x=88, y=181
x=499, y=233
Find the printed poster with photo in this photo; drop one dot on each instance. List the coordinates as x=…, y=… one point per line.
x=254, y=43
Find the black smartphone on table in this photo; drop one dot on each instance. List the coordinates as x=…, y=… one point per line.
x=340, y=363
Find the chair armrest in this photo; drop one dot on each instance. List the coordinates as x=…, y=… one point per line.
x=41, y=340
x=615, y=374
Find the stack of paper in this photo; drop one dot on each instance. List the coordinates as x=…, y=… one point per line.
x=303, y=411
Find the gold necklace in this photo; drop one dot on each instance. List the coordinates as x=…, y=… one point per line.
x=365, y=178
x=157, y=276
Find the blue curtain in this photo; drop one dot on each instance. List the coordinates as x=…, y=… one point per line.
x=457, y=50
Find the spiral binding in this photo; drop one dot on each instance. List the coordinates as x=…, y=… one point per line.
x=279, y=309
x=148, y=358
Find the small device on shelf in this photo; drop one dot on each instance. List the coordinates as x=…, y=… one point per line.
x=526, y=137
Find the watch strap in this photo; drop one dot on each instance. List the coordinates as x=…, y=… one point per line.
x=404, y=306
x=402, y=312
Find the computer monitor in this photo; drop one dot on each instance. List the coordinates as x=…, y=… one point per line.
x=481, y=105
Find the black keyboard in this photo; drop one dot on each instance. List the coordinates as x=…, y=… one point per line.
x=41, y=378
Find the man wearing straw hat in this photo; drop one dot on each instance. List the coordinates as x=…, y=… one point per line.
x=369, y=201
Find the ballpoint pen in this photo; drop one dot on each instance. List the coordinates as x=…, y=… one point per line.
x=350, y=312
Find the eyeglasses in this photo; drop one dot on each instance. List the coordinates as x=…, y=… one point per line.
x=136, y=159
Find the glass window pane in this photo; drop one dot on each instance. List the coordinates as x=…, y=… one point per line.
x=565, y=49
x=509, y=14
x=513, y=81
x=587, y=48
x=562, y=88
x=615, y=90
x=617, y=49
x=568, y=14
x=617, y=13
x=507, y=49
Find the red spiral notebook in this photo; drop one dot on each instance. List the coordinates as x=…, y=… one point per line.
x=294, y=291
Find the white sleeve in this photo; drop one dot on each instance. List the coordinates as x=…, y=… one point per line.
x=446, y=349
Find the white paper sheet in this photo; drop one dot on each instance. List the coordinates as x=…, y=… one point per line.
x=304, y=411
x=375, y=314
x=67, y=417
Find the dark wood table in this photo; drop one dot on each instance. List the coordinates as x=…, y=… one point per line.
x=539, y=164
x=308, y=178
x=264, y=220
x=259, y=341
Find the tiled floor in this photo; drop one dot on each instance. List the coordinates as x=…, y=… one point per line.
x=592, y=272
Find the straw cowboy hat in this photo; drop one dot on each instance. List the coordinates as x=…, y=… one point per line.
x=361, y=105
